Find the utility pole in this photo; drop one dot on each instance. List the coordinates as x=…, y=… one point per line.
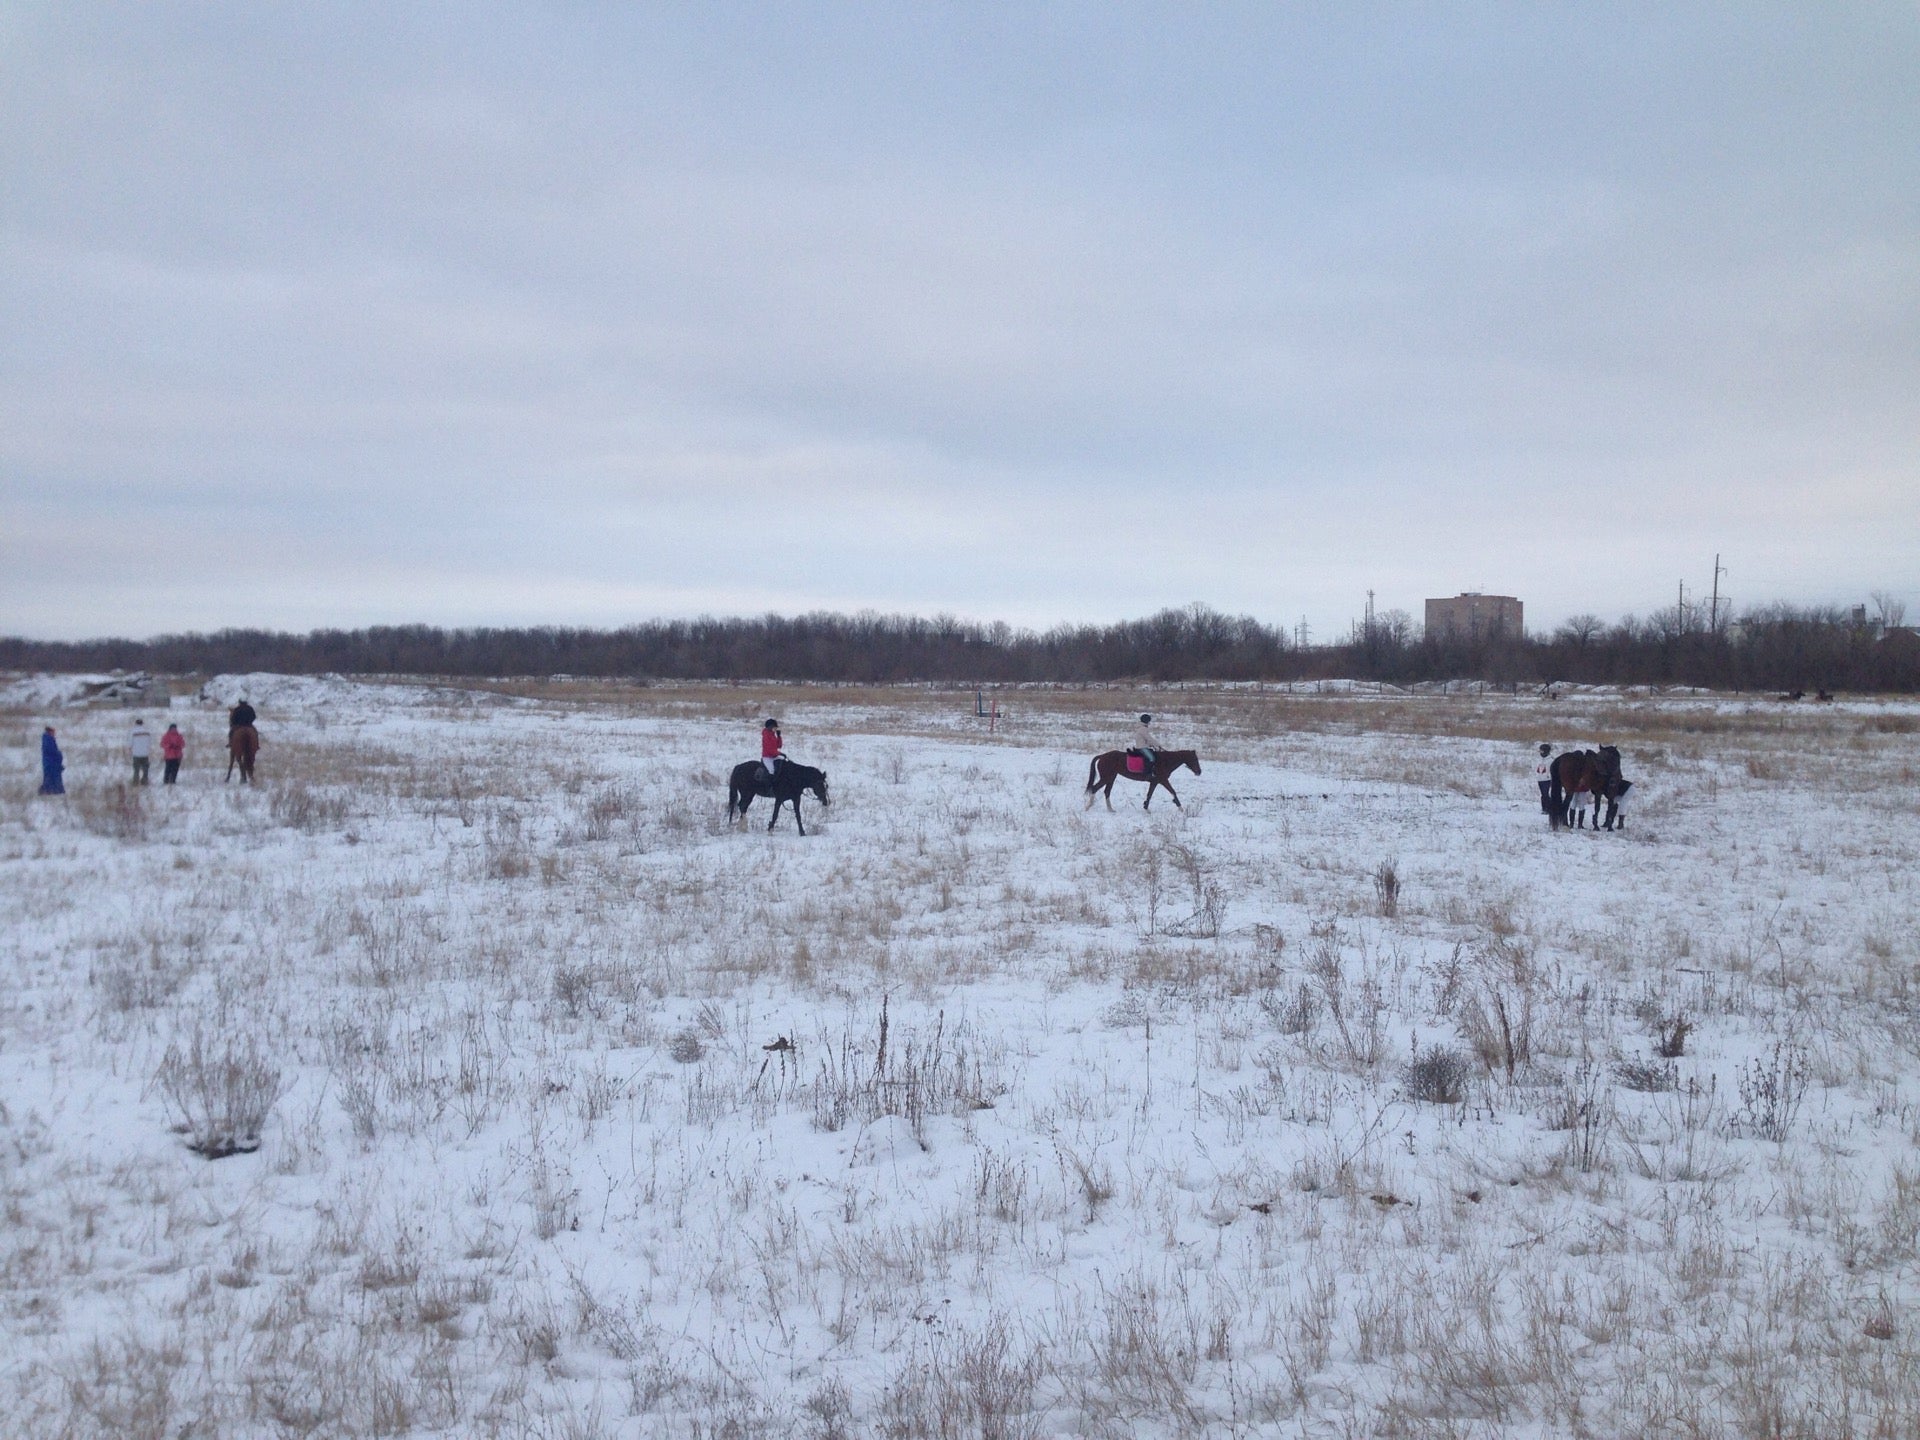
x=1680, y=610
x=1713, y=615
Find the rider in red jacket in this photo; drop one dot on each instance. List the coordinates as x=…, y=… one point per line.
x=770, y=752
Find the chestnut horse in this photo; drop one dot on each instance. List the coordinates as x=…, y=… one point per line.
x=243, y=744
x=1584, y=772
x=1107, y=768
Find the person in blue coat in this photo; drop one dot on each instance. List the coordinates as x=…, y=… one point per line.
x=52, y=765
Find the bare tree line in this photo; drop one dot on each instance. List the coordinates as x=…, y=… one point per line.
x=1775, y=647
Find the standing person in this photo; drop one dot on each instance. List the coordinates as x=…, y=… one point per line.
x=1543, y=772
x=1144, y=742
x=53, y=765
x=140, y=745
x=173, y=745
x=771, y=753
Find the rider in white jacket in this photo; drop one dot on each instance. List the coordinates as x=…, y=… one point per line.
x=1144, y=742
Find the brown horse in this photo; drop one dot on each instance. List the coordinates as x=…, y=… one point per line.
x=243, y=744
x=1107, y=768
x=1584, y=773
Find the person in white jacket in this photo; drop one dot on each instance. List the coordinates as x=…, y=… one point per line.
x=1144, y=742
x=1543, y=772
x=140, y=744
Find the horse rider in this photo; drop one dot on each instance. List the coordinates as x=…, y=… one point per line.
x=241, y=714
x=1144, y=742
x=771, y=753
x=1543, y=772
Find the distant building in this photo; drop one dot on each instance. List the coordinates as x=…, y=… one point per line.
x=1473, y=616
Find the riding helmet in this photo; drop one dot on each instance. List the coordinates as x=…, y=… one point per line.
x=1546, y=749
x=1146, y=719
x=771, y=725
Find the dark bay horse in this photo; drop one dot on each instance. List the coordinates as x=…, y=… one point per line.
x=1585, y=772
x=243, y=744
x=750, y=778
x=1107, y=768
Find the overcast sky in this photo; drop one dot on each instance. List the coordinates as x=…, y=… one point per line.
x=317, y=315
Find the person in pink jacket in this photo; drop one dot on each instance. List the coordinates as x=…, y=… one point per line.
x=173, y=745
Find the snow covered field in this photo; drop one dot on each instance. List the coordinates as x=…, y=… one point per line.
x=1331, y=1105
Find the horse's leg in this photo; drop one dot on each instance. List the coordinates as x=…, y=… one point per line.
x=1109, y=791
x=796, y=815
x=777, y=803
x=1176, y=799
x=1152, y=785
x=230, y=759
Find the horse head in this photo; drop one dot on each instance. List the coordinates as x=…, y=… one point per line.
x=818, y=784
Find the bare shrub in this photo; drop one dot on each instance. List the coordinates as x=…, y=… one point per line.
x=1585, y=1111
x=1496, y=1014
x=1771, y=1089
x=1003, y=1187
x=609, y=810
x=136, y=981
x=1437, y=1076
x=1295, y=1013
x=1092, y=1176
x=299, y=806
x=1647, y=1078
x=118, y=812
x=221, y=1092
x=575, y=990
x=913, y=1078
x=1143, y=1365
x=1670, y=1036
x=1355, y=1004
x=979, y=1384
x=1386, y=889
x=1209, y=901
x=685, y=1047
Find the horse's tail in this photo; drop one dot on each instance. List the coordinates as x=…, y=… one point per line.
x=1093, y=774
x=1556, y=794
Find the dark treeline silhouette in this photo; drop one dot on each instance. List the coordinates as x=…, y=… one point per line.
x=1775, y=648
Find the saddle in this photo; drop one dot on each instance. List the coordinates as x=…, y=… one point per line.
x=1136, y=763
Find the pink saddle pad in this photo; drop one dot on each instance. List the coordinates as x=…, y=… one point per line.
x=1136, y=765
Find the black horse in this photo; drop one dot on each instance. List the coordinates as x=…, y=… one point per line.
x=750, y=778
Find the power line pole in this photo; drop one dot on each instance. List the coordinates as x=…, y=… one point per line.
x=1713, y=615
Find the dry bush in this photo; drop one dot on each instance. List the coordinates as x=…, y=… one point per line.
x=301, y=806
x=1386, y=889
x=1353, y=1002
x=1647, y=1078
x=1209, y=899
x=1495, y=1014
x=1771, y=1090
x=913, y=1078
x=685, y=1047
x=1437, y=1076
x=220, y=1091
x=1670, y=1036
x=118, y=812
x=1294, y=1013
x=977, y=1386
